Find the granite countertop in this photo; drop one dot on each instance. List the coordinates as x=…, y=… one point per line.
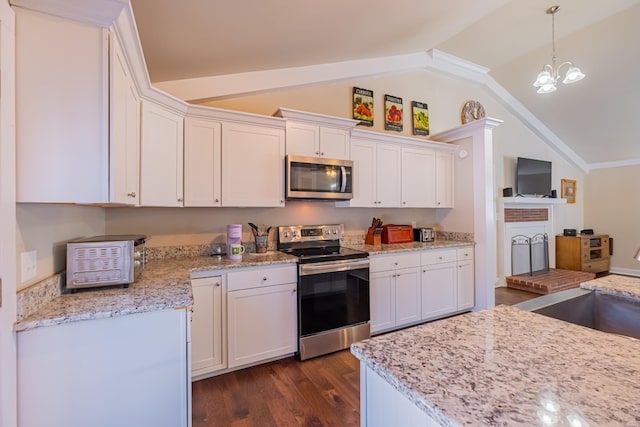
x=612, y=284
x=412, y=246
x=505, y=366
x=164, y=284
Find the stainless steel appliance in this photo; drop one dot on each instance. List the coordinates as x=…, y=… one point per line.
x=318, y=178
x=333, y=288
x=424, y=234
x=105, y=260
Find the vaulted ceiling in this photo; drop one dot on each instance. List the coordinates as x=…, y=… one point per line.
x=597, y=118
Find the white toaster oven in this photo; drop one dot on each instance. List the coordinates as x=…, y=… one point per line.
x=105, y=260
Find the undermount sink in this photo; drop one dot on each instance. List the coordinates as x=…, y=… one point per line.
x=595, y=310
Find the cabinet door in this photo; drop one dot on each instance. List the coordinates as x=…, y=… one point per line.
x=262, y=323
x=334, y=143
x=363, y=155
x=253, y=165
x=124, y=136
x=438, y=290
x=466, y=285
x=61, y=109
x=202, y=162
x=444, y=180
x=207, y=326
x=135, y=363
x=303, y=139
x=382, y=301
x=418, y=178
x=407, y=295
x=161, y=157
x=388, y=164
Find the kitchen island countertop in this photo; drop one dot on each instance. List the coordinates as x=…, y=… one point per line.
x=505, y=366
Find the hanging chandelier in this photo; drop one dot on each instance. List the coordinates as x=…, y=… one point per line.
x=548, y=78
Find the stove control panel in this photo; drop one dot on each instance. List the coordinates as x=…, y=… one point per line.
x=309, y=233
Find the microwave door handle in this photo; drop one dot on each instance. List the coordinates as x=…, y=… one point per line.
x=344, y=179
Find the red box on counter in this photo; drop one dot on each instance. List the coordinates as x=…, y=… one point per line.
x=397, y=234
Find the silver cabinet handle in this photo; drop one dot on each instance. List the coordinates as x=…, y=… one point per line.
x=132, y=194
x=180, y=199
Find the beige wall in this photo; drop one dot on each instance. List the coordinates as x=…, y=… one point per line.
x=46, y=229
x=612, y=208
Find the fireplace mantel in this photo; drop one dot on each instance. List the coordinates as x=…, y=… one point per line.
x=531, y=201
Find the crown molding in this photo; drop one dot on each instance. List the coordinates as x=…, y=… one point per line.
x=98, y=12
x=315, y=118
x=398, y=139
x=617, y=164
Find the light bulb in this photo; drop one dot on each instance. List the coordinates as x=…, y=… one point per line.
x=573, y=75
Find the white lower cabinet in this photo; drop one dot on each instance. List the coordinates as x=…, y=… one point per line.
x=439, y=295
x=381, y=405
x=122, y=371
x=420, y=286
x=262, y=320
x=448, y=284
x=208, y=327
x=466, y=279
x=394, y=291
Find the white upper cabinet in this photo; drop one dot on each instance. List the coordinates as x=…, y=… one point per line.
x=161, y=156
x=317, y=135
x=124, y=136
x=418, y=177
x=202, y=164
x=376, y=176
x=252, y=165
x=444, y=180
x=62, y=110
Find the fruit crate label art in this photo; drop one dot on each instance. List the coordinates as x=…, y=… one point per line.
x=420, y=118
x=363, y=106
x=392, y=113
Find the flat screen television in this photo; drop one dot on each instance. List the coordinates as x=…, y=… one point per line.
x=533, y=177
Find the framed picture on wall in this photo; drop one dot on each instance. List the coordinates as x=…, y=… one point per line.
x=392, y=113
x=420, y=112
x=568, y=190
x=363, y=106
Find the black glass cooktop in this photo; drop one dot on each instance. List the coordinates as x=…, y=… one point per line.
x=333, y=253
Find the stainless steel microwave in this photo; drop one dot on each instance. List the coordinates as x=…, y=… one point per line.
x=316, y=178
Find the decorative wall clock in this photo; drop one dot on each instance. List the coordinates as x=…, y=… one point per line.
x=472, y=110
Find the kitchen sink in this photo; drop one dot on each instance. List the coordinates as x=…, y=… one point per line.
x=595, y=310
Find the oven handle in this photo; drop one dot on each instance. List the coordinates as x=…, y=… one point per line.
x=332, y=267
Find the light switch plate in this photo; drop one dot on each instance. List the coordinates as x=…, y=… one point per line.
x=29, y=262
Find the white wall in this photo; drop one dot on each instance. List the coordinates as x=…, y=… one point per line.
x=46, y=228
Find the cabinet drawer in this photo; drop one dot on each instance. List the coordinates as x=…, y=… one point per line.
x=596, y=266
x=393, y=262
x=438, y=256
x=258, y=277
x=465, y=253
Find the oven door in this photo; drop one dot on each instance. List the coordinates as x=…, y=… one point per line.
x=333, y=295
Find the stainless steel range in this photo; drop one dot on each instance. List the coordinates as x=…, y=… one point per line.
x=333, y=288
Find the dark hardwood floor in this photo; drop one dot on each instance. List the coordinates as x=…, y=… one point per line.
x=324, y=391
x=510, y=296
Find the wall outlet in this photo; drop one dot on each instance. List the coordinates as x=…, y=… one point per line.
x=413, y=224
x=29, y=262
